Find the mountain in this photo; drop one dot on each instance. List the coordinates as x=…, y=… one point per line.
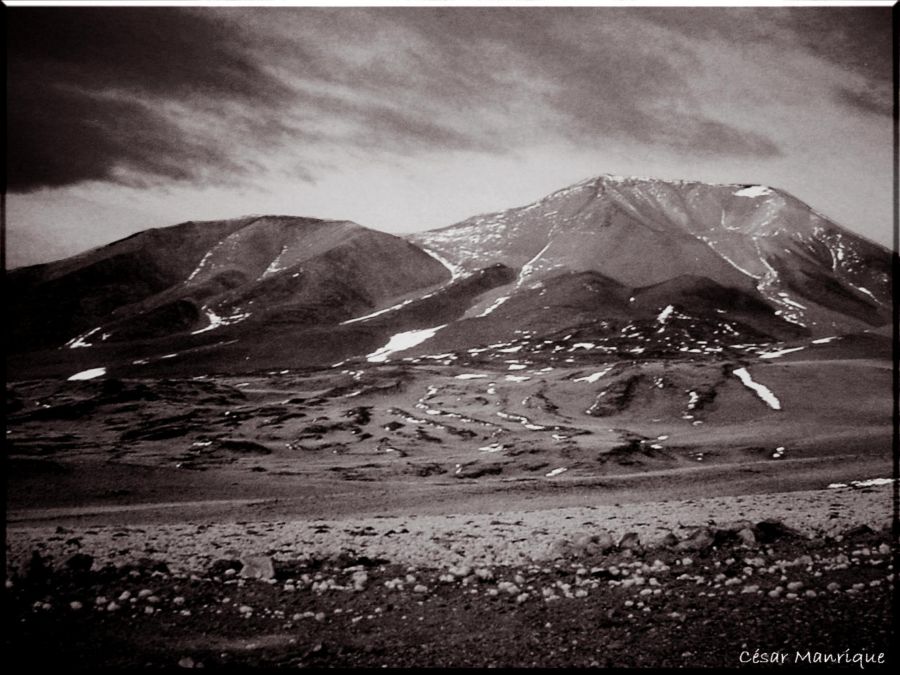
x=196, y=277
x=618, y=267
x=638, y=231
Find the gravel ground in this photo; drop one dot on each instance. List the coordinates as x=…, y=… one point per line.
x=510, y=538
x=799, y=577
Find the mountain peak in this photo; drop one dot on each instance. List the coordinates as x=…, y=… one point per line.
x=640, y=230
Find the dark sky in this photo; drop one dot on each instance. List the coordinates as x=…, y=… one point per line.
x=120, y=118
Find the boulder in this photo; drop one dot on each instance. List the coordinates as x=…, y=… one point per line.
x=701, y=539
x=630, y=542
x=588, y=544
x=770, y=530
x=669, y=540
x=858, y=531
x=747, y=537
x=257, y=567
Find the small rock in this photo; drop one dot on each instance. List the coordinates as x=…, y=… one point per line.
x=833, y=587
x=461, y=571
x=360, y=579
x=630, y=542
x=484, y=574
x=75, y=605
x=795, y=585
x=420, y=588
x=186, y=662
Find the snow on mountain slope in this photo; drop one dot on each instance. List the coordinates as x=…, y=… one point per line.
x=609, y=268
x=642, y=231
x=200, y=277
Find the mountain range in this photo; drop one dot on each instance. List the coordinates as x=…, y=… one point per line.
x=630, y=266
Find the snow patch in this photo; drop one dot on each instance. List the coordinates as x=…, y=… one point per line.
x=455, y=270
x=494, y=305
x=753, y=191
x=665, y=314
x=761, y=390
x=556, y=472
x=528, y=268
x=593, y=377
x=470, y=376
x=216, y=321
x=81, y=340
x=275, y=265
x=871, y=482
x=201, y=264
x=780, y=352
x=378, y=313
x=866, y=291
x=89, y=374
x=826, y=340
x=402, y=341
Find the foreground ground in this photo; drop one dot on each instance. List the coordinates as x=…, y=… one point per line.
x=652, y=513
x=629, y=585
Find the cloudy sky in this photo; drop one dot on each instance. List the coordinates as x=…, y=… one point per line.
x=403, y=119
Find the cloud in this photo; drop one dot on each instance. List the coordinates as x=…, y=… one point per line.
x=88, y=89
x=154, y=95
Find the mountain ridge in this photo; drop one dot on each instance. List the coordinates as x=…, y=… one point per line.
x=729, y=262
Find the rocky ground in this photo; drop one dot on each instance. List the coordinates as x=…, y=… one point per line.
x=705, y=593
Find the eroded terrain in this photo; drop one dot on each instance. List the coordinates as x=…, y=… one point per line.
x=573, y=501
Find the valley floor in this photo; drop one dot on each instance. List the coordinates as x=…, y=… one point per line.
x=408, y=516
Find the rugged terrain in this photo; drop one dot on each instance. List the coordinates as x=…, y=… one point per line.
x=735, y=263
x=635, y=412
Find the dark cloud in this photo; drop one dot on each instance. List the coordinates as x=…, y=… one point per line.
x=858, y=39
x=87, y=91
x=159, y=94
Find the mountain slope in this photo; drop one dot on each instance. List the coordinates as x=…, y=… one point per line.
x=611, y=268
x=197, y=277
x=641, y=231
